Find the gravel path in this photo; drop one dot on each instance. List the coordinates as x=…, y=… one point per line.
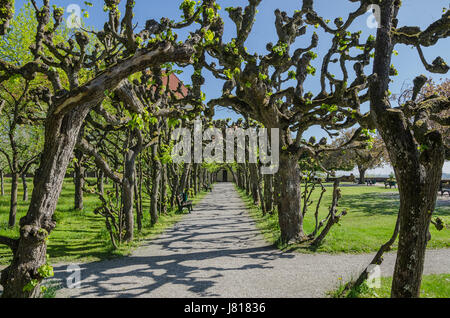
x=218, y=252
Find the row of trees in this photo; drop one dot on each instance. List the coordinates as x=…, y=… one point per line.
x=373, y=156
x=98, y=91
x=376, y=155
x=109, y=99
x=258, y=86
x=112, y=127
x=263, y=190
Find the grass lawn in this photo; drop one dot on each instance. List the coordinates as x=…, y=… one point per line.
x=433, y=286
x=372, y=212
x=79, y=236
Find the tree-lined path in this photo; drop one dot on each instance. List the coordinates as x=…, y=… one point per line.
x=217, y=251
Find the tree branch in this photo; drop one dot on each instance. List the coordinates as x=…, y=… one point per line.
x=87, y=149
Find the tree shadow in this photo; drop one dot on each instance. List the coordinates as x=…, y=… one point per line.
x=385, y=203
x=192, y=256
x=373, y=203
x=137, y=276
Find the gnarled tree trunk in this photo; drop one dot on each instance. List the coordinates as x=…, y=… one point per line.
x=362, y=175
x=65, y=117
x=2, y=183
x=129, y=179
x=30, y=249
x=418, y=172
x=138, y=192
x=138, y=206
x=163, y=205
x=195, y=178
x=184, y=178
x=418, y=186
x=79, y=180
x=156, y=180
x=289, y=216
x=254, y=182
x=268, y=192
x=247, y=179
x=24, y=186
x=13, y=200
x=100, y=182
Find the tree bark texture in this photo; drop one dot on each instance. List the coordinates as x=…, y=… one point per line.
x=13, y=200
x=156, y=180
x=418, y=173
x=289, y=216
x=60, y=138
x=362, y=174
x=2, y=183
x=25, y=187
x=268, y=192
x=128, y=182
x=79, y=180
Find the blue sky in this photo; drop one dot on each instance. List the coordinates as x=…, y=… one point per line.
x=413, y=12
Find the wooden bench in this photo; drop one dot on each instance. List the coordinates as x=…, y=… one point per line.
x=371, y=182
x=183, y=204
x=390, y=184
x=207, y=188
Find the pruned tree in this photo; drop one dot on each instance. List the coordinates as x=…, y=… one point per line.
x=371, y=157
x=91, y=68
x=429, y=90
x=271, y=89
x=364, y=158
x=337, y=160
x=416, y=150
x=20, y=136
x=332, y=218
x=138, y=113
x=3, y=164
x=21, y=119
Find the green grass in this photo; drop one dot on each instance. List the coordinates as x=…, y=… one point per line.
x=80, y=236
x=370, y=221
x=433, y=286
x=51, y=288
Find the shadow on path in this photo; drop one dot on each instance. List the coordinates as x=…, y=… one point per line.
x=217, y=251
x=216, y=239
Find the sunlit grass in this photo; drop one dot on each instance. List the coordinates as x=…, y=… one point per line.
x=372, y=212
x=80, y=235
x=433, y=286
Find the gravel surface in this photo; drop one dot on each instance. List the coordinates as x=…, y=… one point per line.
x=217, y=251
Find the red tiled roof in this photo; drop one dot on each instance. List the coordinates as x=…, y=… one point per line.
x=173, y=85
x=173, y=82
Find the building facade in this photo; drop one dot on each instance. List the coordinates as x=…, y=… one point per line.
x=223, y=175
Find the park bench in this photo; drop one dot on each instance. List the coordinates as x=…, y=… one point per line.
x=390, y=184
x=207, y=187
x=183, y=203
x=444, y=189
x=371, y=182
